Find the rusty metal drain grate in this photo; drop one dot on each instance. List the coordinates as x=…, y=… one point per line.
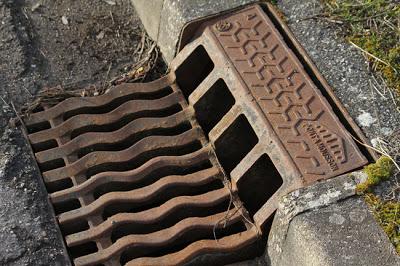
x=153, y=174
x=133, y=180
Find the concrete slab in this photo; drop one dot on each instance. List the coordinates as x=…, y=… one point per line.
x=325, y=225
x=150, y=14
x=165, y=19
x=344, y=233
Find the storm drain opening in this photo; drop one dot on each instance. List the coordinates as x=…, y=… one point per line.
x=235, y=143
x=214, y=105
x=194, y=70
x=146, y=175
x=258, y=184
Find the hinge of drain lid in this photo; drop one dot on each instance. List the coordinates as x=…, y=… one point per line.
x=151, y=174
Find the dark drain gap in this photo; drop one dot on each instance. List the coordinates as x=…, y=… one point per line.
x=117, y=102
x=258, y=184
x=45, y=145
x=131, y=140
x=150, y=178
x=194, y=70
x=234, y=144
x=144, y=157
x=212, y=107
x=74, y=227
x=183, y=241
x=266, y=228
x=82, y=250
x=168, y=221
x=127, y=119
x=37, y=109
x=59, y=185
x=66, y=206
x=166, y=195
x=38, y=127
x=50, y=165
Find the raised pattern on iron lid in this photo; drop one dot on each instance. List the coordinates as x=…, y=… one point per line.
x=305, y=123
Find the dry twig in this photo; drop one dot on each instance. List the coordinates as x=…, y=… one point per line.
x=371, y=55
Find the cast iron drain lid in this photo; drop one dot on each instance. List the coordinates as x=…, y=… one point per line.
x=291, y=122
x=193, y=164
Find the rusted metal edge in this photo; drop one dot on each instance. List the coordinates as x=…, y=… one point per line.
x=74, y=103
x=89, y=139
x=140, y=195
x=103, y=157
x=158, y=238
x=131, y=176
x=86, y=120
x=227, y=244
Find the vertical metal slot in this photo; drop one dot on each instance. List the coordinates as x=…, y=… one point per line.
x=258, y=184
x=194, y=70
x=216, y=102
x=233, y=145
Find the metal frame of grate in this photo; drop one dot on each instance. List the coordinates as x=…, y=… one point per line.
x=151, y=174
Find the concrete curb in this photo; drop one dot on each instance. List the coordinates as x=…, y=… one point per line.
x=325, y=224
x=302, y=200
x=165, y=19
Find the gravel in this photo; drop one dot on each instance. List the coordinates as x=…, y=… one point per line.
x=343, y=66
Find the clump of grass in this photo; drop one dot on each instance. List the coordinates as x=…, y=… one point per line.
x=387, y=213
x=376, y=172
x=374, y=27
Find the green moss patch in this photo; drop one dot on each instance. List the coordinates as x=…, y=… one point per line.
x=373, y=26
x=376, y=172
x=387, y=213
